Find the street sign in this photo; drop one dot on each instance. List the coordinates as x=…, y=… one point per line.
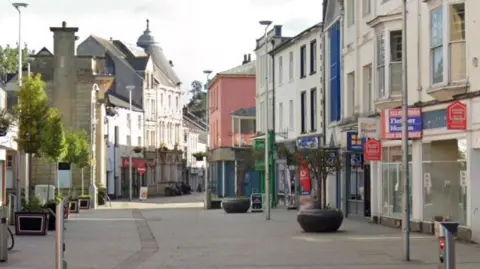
x=256, y=202
x=457, y=116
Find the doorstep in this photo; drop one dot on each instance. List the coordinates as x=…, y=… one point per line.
x=425, y=227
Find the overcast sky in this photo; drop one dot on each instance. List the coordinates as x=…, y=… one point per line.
x=194, y=34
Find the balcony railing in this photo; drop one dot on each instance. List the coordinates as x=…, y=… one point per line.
x=458, y=61
x=395, y=78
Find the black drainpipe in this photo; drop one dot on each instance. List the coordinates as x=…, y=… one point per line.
x=324, y=99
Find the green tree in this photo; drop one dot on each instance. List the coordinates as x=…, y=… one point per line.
x=32, y=113
x=78, y=152
x=9, y=58
x=197, y=104
x=54, y=147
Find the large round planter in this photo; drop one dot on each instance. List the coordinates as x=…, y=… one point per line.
x=320, y=220
x=241, y=205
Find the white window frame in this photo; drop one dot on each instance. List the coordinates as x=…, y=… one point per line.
x=439, y=47
x=394, y=62
x=290, y=66
x=139, y=123
x=452, y=42
x=291, y=115
x=380, y=60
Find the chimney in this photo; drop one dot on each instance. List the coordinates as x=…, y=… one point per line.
x=249, y=59
x=278, y=30
x=245, y=59
x=64, y=71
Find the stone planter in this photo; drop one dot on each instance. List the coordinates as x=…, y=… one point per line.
x=73, y=206
x=320, y=220
x=31, y=223
x=237, y=205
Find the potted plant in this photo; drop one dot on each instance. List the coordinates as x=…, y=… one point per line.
x=73, y=205
x=317, y=216
x=84, y=201
x=5, y=122
x=137, y=149
x=199, y=156
x=32, y=220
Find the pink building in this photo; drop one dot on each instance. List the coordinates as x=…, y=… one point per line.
x=230, y=91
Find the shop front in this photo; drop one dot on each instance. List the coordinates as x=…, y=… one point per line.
x=139, y=167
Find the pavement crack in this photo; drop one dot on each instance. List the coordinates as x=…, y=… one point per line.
x=147, y=240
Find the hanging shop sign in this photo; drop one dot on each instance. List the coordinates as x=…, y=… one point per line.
x=372, y=150
x=457, y=116
x=369, y=127
x=391, y=122
x=354, y=142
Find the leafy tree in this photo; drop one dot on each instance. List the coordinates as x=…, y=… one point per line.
x=9, y=58
x=78, y=152
x=321, y=162
x=54, y=147
x=32, y=113
x=197, y=104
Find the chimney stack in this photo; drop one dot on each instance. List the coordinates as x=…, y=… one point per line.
x=249, y=57
x=245, y=60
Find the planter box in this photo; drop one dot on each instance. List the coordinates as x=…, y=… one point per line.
x=31, y=223
x=84, y=203
x=73, y=206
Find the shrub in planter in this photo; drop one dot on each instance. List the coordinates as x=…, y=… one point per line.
x=314, y=219
x=32, y=220
x=236, y=205
x=84, y=201
x=199, y=156
x=137, y=149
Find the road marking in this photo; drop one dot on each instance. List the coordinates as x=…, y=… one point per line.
x=312, y=239
x=385, y=237
x=354, y=238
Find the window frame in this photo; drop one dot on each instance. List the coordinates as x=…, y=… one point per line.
x=313, y=56
x=451, y=41
x=313, y=109
x=380, y=71
x=437, y=49
x=291, y=65
x=280, y=70
x=303, y=61
x=303, y=112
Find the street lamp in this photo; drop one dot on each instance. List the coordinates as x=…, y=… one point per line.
x=92, y=189
x=18, y=203
x=267, y=133
x=130, y=88
x=208, y=194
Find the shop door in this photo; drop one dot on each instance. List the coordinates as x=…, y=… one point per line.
x=355, y=185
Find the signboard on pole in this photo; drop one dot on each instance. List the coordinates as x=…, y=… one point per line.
x=373, y=150
x=143, y=193
x=457, y=116
x=256, y=202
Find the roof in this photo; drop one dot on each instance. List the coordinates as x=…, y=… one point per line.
x=244, y=112
x=119, y=102
x=244, y=69
x=289, y=41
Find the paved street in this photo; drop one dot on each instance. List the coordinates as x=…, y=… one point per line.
x=154, y=238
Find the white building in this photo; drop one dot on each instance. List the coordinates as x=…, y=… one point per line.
x=195, y=141
x=444, y=146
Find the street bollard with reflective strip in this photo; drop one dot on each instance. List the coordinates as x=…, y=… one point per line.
x=448, y=230
x=60, y=262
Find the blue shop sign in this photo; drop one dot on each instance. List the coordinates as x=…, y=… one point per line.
x=354, y=142
x=434, y=119
x=308, y=142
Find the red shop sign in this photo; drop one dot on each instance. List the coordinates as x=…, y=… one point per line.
x=136, y=163
x=372, y=150
x=141, y=170
x=457, y=116
x=305, y=180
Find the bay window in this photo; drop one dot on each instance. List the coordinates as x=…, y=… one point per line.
x=436, y=45
x=457, y=37
x=380, y=66
x=396, y=62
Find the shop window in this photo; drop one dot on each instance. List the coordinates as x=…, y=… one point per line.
x=392, y=183
x=444, y=180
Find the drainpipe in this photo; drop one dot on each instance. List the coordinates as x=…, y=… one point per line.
x=324, y=91
x=273, y=181
x=419, y=47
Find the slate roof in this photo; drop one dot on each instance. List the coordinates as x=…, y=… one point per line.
x=119, y=102
x=244, y=112
x=244, y=69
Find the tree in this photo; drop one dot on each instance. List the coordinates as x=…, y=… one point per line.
x=78, y=152
x=32, y=114
x=54, y=147
x=9, y=58
x=197, y=104
x=321, y=162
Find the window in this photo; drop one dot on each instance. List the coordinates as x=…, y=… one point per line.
x=303, y=61
x=436, y=44
x=290, y=115
x=129, y=120
x=139, y=123
x=303, y=112
x=262, y=116
x=177, y=102
x=458, y=61
x=366, y=7
x=396, y=62
x=290, y=66
x=128, y=140
x=350, y=12
x=139, y=141
x=351, y=93
x=313, y=57
x=169, y=102
x=367, y=88
x=153, y=136
x=147, y=138
x=380, y=66
x=280, y=117
x=9, y=161
x=161, y=99
x=313, y=109
x=280, y=70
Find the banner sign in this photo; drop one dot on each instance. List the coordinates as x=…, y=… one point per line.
x=369, y=127
x=391, y=121
x=305, y=180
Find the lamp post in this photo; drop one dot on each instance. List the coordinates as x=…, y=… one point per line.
x=18, y=6
x=92, y=188
x=130, y=88
x=406, y=184
x=208, y=194
x=267, y=131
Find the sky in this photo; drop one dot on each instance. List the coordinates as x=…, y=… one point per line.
x=195, y=34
